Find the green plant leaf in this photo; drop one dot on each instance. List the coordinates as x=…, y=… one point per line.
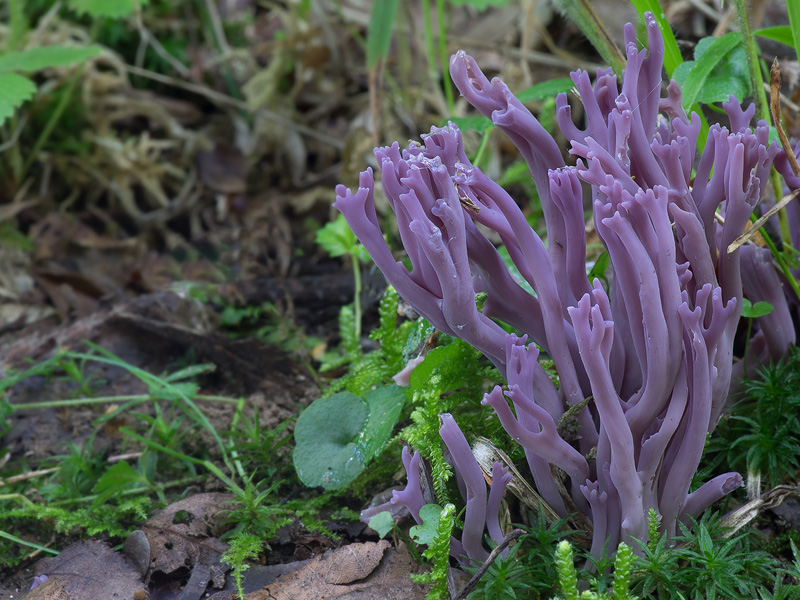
x=379, y=31
x=385, y=404
x=115, y=480
x=753, y=311
x=46, y=56
x=424, y=534
x=14, y=90
x=600, y=266
x=325, y=453
x=780, y=33
x=719, y=69
x=477, y=123
x=113, y=9
x=444, y=366
x=191, y=371
x=337, y=238
x=382, y=523
x=545, y=89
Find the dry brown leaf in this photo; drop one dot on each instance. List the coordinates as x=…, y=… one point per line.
x=356, y=571
x=176, y=532
x=78, y=574
x=181, y=539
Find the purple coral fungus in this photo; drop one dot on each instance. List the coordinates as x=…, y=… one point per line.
x=653, y=351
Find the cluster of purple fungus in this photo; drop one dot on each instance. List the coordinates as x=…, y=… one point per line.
x=653, y=351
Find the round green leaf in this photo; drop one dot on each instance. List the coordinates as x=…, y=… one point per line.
x=382, y=523
x=385, y=404
x=753, y=311
x=325, y=453
x=430, y=515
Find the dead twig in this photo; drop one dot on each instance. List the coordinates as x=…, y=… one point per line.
x=758, y=224
x=775, y=109
x=25, y=476
x=741, y=516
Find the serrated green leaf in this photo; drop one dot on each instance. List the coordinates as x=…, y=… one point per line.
x=337, y=238
x=385, y=405
x=694, y=76
x=446, y=369
x=14, y=90
x=46, y=56
x=780, y=33
x=545, y=89
x=115, y=480
x=382, y=523
x=113, y=9
x=325, y=453
x=379, y=30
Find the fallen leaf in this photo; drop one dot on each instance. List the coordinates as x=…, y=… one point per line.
x=180, y=538
x=356, y=571
x=77, y=574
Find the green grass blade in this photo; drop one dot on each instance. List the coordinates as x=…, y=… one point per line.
x=174, y=453
x=793, y=8
x=588, y=21
x=16, y=540
x=672, y=54
x=154, y=381
x=379, y=31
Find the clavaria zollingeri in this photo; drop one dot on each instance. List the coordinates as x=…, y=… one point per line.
x=653, y=351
